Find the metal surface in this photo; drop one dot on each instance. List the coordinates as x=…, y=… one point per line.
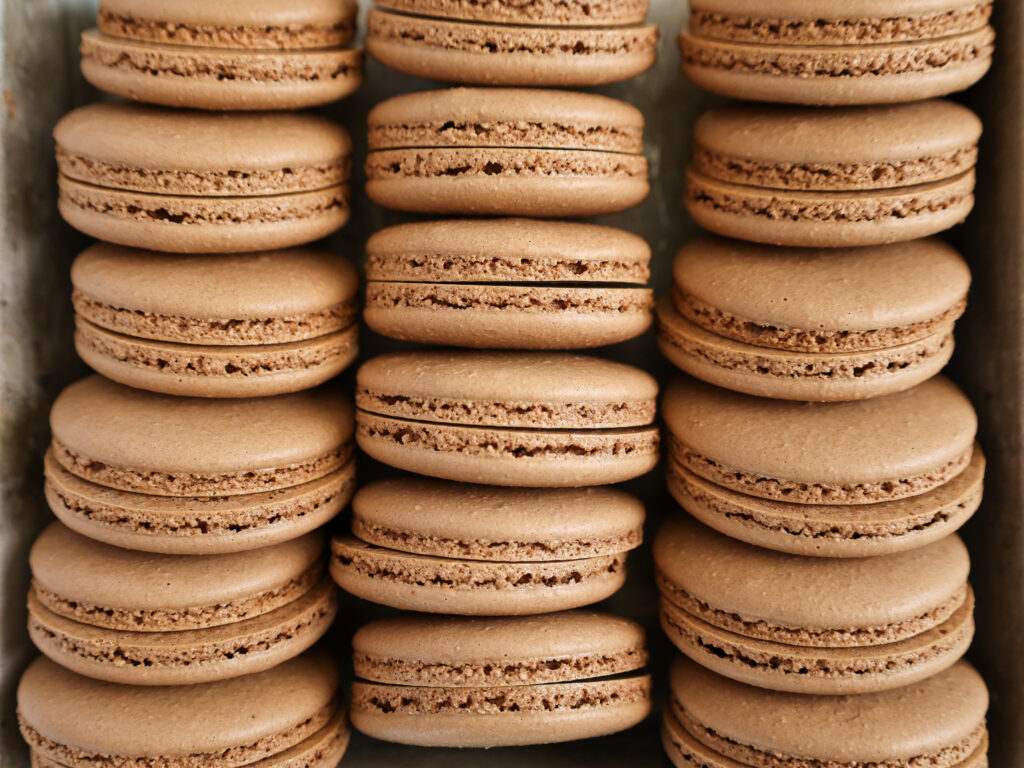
x=41, y=82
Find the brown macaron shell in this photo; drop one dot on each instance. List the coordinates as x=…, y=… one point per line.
x=864, y=52
x=858, y=452
x=506, y=152
x=508, y=283
x=443, y=42
x=215, y=325
x=443, y=547
x=287, y=715
x=104, y=433
x=804, y=177
x=195, y=182
x=813, y=625
x=526, y=419
x=825, y=324
x=145, y=619
x=717, y=722
x=438, y=681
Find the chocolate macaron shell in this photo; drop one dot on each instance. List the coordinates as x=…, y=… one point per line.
x=471, y=652
x=183, y=181
x=474, y=522
x=858, y=452
x=940, y=721
x=415, y=582
x=554, y=12
x=516, y=53
x=201, y=525
x=75, y=721
x=104, y=433
x=824, y=530
x=506, y=152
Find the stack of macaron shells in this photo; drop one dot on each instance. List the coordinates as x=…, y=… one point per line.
x=232, y=325
x=230, y=54
x=813, y=324
x=506, y=152
x=814, y=52
x=526, y=419
x=508, y=283
x=811, y=624
x=152, y=619
x=289, y=715
x=548, y=43
x=201, y=182
x=182, y=475
x=456, y=548
x=802, y=176
x=467, y=682
x=715, y=722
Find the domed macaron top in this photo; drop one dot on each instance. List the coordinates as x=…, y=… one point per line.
x=507, y=389
x=860, y=451
x=919, y=721
x=809, y=593
x=165, y=151
x=582, y=13
x=823, y=10
x=251, y=717
x=492, y=523
x=160, y=444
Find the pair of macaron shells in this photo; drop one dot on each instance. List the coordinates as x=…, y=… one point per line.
x=506, y=152
x=454, y=548
x=864, y=52
x=806, y=177
x=813, y=324
x=213, y=325
x=513, y=43
x=291, y=714
x=487, y=682
x=525, y=419
x=197, y=182
x=227, y=55
x=713, y=722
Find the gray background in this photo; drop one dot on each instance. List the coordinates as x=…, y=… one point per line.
x=41, y=82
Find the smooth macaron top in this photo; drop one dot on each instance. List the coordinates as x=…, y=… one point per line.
x=175, y=721
x=506, y=117
x=251, y=286
x=100, y=421
x=522, y=250
x=810, y=593
x=526, y=640
x=825, y=9
x=836, y=289
x=507, y=389
x=918, y=432
x=429, y=517
x=575, y=13
x=917, y=720
x=152, y=149
x=81, y=570
x=811, y=148
x=227, y=13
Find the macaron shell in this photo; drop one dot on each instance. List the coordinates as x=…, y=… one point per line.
x=76, y=713
x=517, y=457
x=228, y=79
x=189, y=656
x=915, y=722
x=833, y=671
x=507, y=316
x=803, y=376
x=828, y=219
x=608, y=706
x=828, y=530
x=472, y=587
x=541, y=12
x=494, y=54
x=731, y=69
x=194, y=370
